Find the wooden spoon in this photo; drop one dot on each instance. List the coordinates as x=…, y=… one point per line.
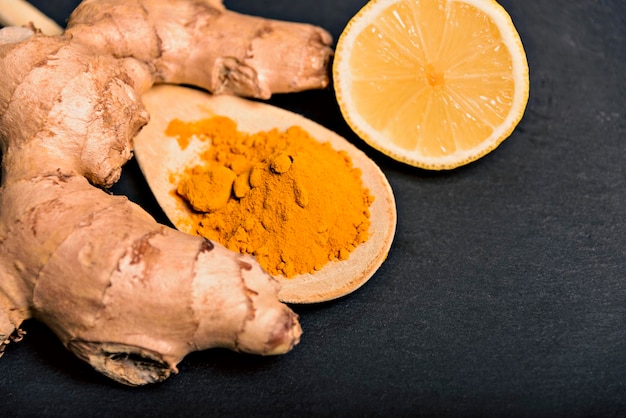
x=159, y=156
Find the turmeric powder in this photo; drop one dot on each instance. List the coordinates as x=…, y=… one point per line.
x=293, y=202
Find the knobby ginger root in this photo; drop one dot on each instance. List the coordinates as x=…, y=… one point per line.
x=127, y=295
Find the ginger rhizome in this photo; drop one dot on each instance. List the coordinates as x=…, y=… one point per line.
x=292, y=202
x=127, y=295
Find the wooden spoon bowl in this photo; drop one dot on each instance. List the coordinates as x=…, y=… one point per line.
x=159, y=156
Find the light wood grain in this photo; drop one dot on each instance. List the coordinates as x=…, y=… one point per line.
x=159, y=156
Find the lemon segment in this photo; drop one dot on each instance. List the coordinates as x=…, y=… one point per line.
x=433, y=83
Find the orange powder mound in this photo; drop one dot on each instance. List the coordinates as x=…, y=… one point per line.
x=289, y=200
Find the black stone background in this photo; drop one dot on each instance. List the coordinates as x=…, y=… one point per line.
x=504, y=293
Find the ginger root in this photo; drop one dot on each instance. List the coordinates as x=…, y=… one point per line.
x=124, y=293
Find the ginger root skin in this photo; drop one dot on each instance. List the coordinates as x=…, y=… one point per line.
x=136, y=302
x=201, y=43
x=130, y=296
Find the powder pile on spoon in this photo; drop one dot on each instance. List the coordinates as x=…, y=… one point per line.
x=289, y=200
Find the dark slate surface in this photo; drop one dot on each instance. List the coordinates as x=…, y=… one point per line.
x=504, y=293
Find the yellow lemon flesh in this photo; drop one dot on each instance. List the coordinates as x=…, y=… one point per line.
x=432, y=83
